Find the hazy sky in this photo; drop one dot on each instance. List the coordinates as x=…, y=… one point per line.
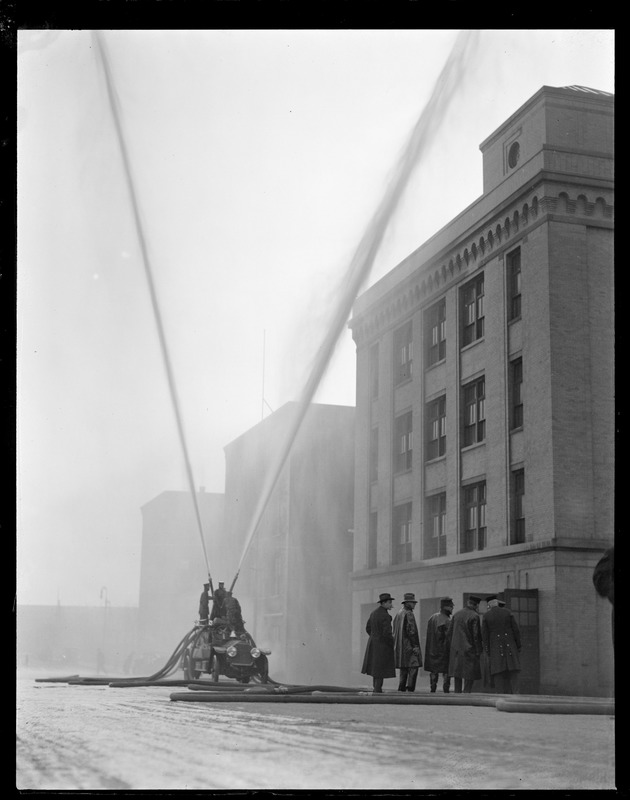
x=259, y=158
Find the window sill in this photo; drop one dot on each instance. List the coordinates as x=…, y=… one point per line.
x=473, y=446
x=403, y=471
x=516, y=430
x=515, y=319
x=403, y=382
x=437, y=458
x=436, y=364
x=472, y=344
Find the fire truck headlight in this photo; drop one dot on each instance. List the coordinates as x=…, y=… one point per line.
x=231, y=651
x=255, y=652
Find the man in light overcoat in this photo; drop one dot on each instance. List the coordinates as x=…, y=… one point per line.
x=407, y=652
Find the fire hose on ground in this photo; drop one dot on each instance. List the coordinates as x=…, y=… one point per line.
x=202, y=691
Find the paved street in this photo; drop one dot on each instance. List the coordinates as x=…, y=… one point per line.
x=101, y=737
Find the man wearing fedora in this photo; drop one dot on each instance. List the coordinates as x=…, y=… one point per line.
x=379, y=653
x=407, y=653
x=463, y=639
x=435, y=649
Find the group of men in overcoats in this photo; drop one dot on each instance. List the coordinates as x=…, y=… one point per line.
x=454, y=648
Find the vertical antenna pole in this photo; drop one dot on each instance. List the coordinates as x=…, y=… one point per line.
x=262, y=403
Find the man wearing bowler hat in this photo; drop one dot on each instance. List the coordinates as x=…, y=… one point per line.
x=379, y=653
x=463, y=639
x=407, y=653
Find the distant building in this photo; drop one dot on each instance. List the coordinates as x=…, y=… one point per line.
x=63, y=638
x=293, y=585
x=173, y=566
x=485, y=410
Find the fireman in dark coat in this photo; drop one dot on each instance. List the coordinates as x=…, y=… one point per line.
x=234, y=616
x=463, y=639
x=218, y=602
x=204, y=605
x=379, y=653
x=407, y=652
x=435, y=649
x=501, y=642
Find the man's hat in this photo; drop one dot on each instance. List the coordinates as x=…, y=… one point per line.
x=409, y=597
x=491, y=597
x=502, y=603
x=206, y=585
x=474, y=599
x=446, y=601
x=383, y=598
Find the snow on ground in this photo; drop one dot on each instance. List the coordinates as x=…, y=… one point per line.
x=101, y=737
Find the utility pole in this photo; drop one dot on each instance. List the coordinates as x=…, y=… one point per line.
x=264, y=402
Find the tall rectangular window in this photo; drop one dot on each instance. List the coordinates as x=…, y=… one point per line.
x=436, y=428
x=374, y=367
x=517, y=534
x=472, y=311
x=435, y=526
x=373, y=455
x=372, y=533
x=403, y=353
x=403, y=442
x=513, y=264
x=401, y=534
x=516, y=393
x=435, y=332
x=474, y=412
x=473, y=535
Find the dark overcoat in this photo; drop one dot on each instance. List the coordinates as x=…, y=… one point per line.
x=463, y=639
x=501, y=640
x=407, y=652
x=204, y=606
x=435, y=649
x=379, y=653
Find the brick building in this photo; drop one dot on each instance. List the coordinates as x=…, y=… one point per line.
x=485, y=410
x=293, y=584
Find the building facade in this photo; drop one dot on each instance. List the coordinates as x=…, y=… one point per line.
x=485, y=403
x=173, y=566
x=293, y=583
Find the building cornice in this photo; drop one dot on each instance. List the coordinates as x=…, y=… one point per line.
x=530, y=206
x=554, y=95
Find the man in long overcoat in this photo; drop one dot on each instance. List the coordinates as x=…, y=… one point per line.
x=435, y=649
x=379, y=653
x=407, y=653
x=501, y=639
x=204, y=605
x=463, y=639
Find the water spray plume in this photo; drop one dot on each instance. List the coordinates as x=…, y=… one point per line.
x=116, y=111
x=447, y=84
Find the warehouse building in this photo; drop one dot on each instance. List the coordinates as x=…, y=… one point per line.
x=485, y=399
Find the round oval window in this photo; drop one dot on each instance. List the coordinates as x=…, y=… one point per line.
x=513, y=155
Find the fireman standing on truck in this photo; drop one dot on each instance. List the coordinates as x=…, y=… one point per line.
x=218, y=602
x=204, y=605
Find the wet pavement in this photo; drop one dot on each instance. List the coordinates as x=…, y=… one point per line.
x=100, y=737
